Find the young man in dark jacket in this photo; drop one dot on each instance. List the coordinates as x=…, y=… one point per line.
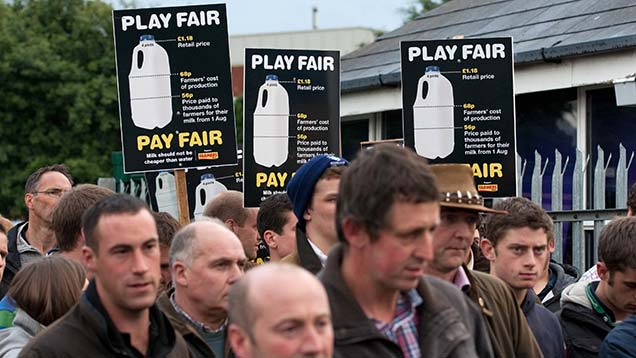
x=517, y=246
x=116, y=316
x=313, y=191
x=589, y=310
x=381, y=302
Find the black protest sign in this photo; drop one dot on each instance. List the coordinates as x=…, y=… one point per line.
x=291, y=113
x=202, y=185
x=205, y=184
x=458, y=107
x=175, y=90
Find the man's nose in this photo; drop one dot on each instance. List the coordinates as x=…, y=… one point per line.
x=139, y=264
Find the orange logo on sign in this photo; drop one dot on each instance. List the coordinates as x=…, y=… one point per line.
x=209, y=156
x=488, y=187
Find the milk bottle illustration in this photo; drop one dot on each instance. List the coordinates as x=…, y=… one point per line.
x=149, y=83
x=433, y=116
x=166, y=194
x=271, y=124
x=207, y=189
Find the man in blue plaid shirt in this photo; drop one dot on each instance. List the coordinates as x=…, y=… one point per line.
x=381, y=303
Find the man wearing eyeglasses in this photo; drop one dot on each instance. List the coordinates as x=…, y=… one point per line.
x=34, y=238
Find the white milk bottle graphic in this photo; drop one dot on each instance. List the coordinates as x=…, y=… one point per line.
x=433, y=116
x=207, y=189
x=149, y=83
x=166, y=194
x=271, y=124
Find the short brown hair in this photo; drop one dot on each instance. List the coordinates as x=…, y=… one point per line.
x=617, y=244
x=66, y=221
x=521, y=213
x=272, y=213
x=334, y=172
x=48, y=287
x=379, y=177
x=227, y=205
x=116, y=204
x=167, y=226
x=33, y=180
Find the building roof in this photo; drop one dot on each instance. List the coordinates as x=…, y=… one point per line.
x=542, y=30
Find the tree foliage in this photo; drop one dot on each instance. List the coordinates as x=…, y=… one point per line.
x=58, y=101
x=418, y=7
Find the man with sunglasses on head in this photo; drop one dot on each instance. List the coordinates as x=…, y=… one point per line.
x=34, y=238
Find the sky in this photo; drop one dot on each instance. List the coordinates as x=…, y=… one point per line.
x=264, y=16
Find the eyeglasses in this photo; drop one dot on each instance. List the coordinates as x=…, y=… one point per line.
x=52, y=192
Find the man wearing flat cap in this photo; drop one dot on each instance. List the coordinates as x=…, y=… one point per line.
x=461, y=205
x=313, y=191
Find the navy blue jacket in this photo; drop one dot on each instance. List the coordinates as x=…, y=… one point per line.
x=621, y=341
x=545, y=326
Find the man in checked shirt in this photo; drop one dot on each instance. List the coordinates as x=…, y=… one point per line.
x=381, y=303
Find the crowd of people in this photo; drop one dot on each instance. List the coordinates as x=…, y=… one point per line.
x=386, y=256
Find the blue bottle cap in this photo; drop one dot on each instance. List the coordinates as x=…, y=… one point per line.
x=146, y=38
x=432, y=69
x=271, y=78
x=207, y=176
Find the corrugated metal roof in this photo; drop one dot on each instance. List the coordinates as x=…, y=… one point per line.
x=541, y=29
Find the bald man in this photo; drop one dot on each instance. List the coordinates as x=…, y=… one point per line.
x=206, y=258
x=266, y=321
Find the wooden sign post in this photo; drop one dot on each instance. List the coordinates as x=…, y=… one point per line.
x=182, y=197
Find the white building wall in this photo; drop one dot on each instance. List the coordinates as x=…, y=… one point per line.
x=574, y=72
x=345, y=39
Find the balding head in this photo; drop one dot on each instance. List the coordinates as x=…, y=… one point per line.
x=259, y=308
x=206, y=258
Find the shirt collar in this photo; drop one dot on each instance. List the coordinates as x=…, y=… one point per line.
x=321, y=255
x=461, y=280
x=24, y=246
x=200, y=326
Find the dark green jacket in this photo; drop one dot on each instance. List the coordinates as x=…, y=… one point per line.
x=196, y=343
x=449, y=324
x=85, y=332
x=507, y=325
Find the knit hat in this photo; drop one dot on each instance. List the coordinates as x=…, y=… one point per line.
x=301, y=186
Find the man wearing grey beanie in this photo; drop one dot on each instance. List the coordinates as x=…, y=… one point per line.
x=313, y=191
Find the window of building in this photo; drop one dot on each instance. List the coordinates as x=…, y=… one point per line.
x=392, y=124
x=608, y=127
x=546, y=121
x=352, y=133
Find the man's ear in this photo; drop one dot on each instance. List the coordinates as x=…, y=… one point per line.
x=81, y=241
x=551, y=246
x=488, y=249
x=355, y=234
x=232, y=225
x=28, y=200
x=307, y=214
x=239, y=341
x=179, y=273
x=89, y=258
x=270, y=238
x=602, y=271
